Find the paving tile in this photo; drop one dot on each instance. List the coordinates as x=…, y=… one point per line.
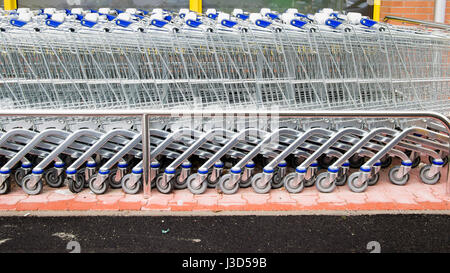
x=183, y=200
x=280, y=199
x=208, y=203
x=132, y=202
x=305, y=201
x=59, y=200
x=330, y=198
x=33, y=202
x=83, y=201
x=158, y=201
x=231, y=202
x=107, y=202
x=9, y=202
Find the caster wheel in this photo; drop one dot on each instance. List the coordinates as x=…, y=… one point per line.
x=310, y=182
x=52, y=179
x=245, y=183
x=127, y=187
x=322, y=185
x=113, y=181
x=178, y=184
x=352, y=179
x=80, y=175
x=212, y=184
x=373, y=180
x=6, y=187
x=19, y=174
x=28, y=188
x=426, y=178
x=340, y=180
x=356, y=161
x=288, y=182
x=430, y=158
x=277, y=181
x=76, y=185
x=256, y=179
x=98, y=189
x=386, y=162
x=225, y=187
x=415, y=162
x=397, y=181
x=200, y=188
x=163, y=188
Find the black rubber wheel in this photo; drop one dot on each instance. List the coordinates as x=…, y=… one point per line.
x=196, y=190
x=113, y=182
x=19, y=174
x=289, y=185
x=352, y=183
x=98, y=189
x=80, y=175
x=427, y=179
x=177, y=183
x=255, y=184
x=394, y=180
x=386, y=162
x=415, y=162
x=320, y=183
x=164, y=189
x=213, y=184
x=130, y=189
x=341, y=180
x=224, y=185
x=373, y=180
x=6, y=187
x=277, y=181
x=76, y=185
x=32, y=190
x=52, y=179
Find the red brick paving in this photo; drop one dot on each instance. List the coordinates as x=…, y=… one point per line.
x=383, y=196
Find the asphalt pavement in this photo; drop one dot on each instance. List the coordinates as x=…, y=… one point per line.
x=232, y=234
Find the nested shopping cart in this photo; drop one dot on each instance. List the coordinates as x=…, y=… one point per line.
x=182, y=61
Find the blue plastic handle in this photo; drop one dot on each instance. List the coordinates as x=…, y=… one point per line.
x=158, y=23
x=228, y=23
x=139, y=16
x=119, y=11
x=93, y=11
x=143, y=11
x=123, y=23
x=52, y=23
x=213, y=16
x=242, y=16
x=272, y=16
x=301, y=15
x=368, y=22
x=332, y=23
x=17, y=23
x=168, y=18
x=297, y=23
x=263, y=23
x=87, y=23
x=110, y=17
x=193, y=23
x=182, y=15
